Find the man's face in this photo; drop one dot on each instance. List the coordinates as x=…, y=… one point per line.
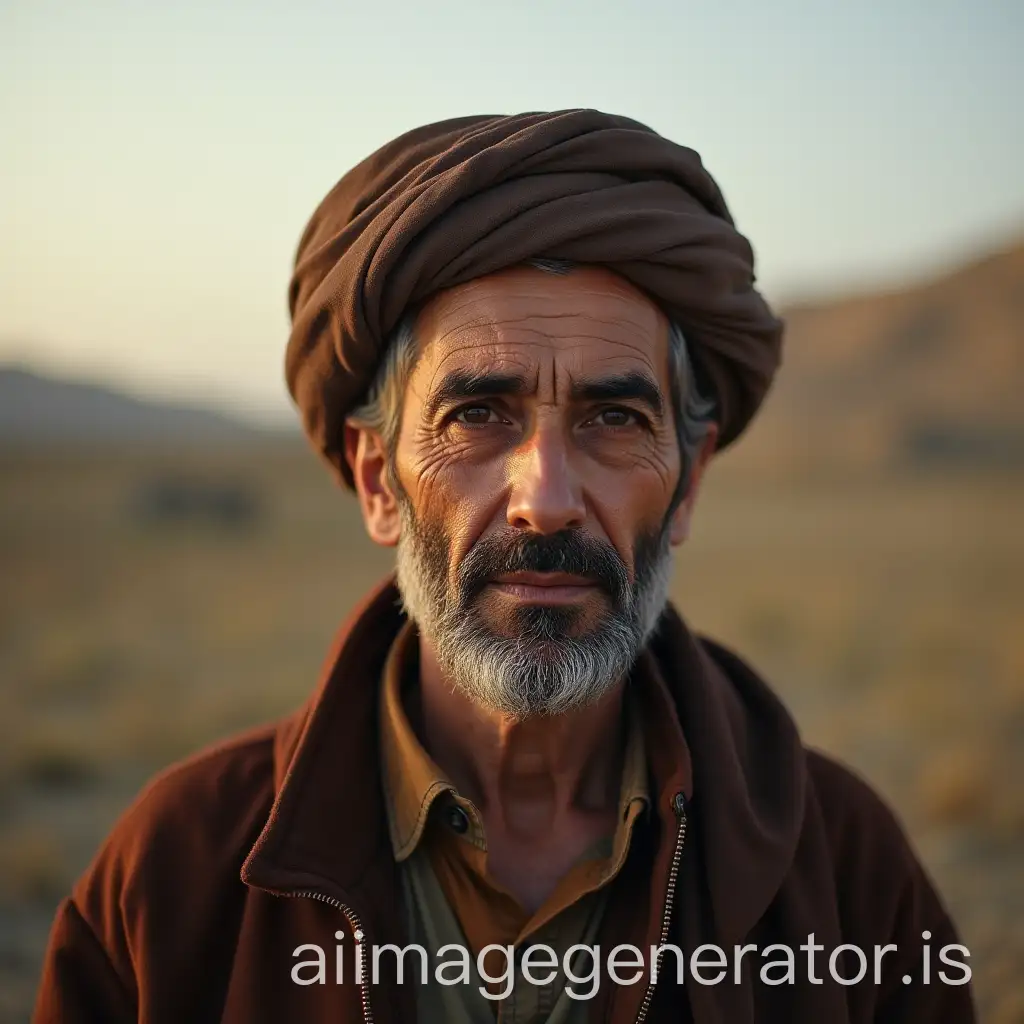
x=533, y=479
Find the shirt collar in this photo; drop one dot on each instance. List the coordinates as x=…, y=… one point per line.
x=413, y=781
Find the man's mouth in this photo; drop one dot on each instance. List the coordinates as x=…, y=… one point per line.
x=547, y=588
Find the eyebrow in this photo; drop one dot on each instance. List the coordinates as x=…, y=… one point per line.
x=459, y=385
x=633, y=385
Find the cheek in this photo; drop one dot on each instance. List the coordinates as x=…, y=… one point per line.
x=629, y=521
x=446, y=488
x=633, y=500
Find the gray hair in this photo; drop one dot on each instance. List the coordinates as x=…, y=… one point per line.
x=381, y=410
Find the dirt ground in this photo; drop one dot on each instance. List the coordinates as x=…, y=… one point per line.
x=151, y=604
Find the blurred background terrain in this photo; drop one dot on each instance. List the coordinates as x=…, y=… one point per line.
x=168, y=575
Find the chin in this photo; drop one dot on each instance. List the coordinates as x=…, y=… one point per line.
x=542, y=622
x=544, y=628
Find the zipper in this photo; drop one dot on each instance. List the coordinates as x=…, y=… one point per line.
x=357, y=933
x=679, y=806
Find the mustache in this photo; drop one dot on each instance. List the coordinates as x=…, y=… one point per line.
x=569, y=551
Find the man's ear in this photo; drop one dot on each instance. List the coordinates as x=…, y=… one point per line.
x=679, y=529
x=366, y=454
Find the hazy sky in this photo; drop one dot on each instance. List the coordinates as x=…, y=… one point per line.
x=159, y=160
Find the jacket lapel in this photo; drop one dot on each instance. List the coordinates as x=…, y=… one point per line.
x=726, y=742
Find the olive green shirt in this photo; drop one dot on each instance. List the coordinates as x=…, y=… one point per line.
x=438, y=839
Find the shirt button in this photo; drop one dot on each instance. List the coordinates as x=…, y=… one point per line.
x=458, y=819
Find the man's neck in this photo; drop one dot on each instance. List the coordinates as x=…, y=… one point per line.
x=525, y=775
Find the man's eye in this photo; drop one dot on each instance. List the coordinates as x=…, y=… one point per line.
x=617, y=418
x=475, y=415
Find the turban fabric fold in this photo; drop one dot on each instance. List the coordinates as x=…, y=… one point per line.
x=455, y=200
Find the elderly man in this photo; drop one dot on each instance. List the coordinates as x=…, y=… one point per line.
x=520, y=340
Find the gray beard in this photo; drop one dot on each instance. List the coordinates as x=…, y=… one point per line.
x=540, y=670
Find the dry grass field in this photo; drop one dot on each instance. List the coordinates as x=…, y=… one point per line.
x=887, y=611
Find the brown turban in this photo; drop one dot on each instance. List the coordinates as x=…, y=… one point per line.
x=452, y=201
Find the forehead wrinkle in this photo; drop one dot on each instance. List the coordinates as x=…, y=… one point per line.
x=629, y=304
x=504, y=355
x=641, y=346
x=473, y=321
x=493, y=325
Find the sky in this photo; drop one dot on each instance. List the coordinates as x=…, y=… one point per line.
x=159, y=161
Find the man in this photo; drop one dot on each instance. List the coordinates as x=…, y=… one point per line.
x=520, y=340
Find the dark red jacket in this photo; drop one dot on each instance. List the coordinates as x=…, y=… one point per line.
x=230, y=861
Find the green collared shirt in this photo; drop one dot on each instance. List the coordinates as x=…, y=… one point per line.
x=438, y=837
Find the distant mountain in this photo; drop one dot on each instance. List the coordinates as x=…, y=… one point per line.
x=36, y=408
x=929, y=375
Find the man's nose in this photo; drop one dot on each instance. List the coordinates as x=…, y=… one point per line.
x=546, y=494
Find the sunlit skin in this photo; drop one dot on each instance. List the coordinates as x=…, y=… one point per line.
x=541, y=447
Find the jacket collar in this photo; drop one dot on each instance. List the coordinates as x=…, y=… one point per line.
x=749, y=775
x=327, y=830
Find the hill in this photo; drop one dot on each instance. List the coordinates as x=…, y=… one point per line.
x=929, y=375
x=38, y=408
